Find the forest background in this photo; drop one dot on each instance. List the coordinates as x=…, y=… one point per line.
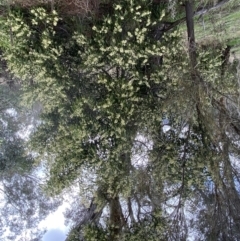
x=128, y=110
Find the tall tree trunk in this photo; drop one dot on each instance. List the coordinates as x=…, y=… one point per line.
x=116, y=218
x=191, y=34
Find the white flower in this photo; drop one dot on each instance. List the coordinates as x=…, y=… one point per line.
x=118, y=7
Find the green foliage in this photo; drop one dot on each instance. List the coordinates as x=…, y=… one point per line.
x=106, y=100
x=103, y=87
x=93, y=233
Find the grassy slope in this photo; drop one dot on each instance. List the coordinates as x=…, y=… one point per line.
x=223, y=23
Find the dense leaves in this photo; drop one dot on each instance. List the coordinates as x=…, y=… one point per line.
x=142, y=121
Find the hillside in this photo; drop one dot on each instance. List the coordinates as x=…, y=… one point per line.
x=222, y=23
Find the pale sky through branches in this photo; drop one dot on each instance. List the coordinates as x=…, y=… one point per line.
x=54, y=235
x=54, y=223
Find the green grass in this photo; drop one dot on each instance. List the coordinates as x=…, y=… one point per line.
x=222, y=23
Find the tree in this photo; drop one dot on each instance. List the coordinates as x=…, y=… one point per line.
x=23, y=203
x=107, y=89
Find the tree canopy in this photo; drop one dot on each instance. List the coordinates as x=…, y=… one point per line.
x=140, y=121
x=23, y=202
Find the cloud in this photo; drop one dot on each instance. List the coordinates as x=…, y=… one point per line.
x=55, y=220
x=54, y=235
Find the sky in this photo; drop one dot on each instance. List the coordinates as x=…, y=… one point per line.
x=54, y=223
x=54, y=235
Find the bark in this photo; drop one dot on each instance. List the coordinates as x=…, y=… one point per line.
x=191, y=34
x=116, y=218
x=130, y=211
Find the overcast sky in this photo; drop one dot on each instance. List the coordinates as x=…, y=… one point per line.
x=54, y=223
x=54, y=235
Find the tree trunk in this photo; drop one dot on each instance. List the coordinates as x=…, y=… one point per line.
x=116, y=218
x=191, y=34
